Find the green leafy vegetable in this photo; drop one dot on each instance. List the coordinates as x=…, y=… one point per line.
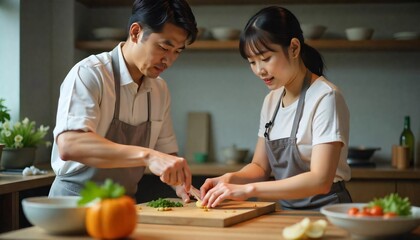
x=92, y=191
x=161, y=202
x=393, y=203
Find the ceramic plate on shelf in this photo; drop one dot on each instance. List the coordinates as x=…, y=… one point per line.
x=370, y=227
x=406, y=35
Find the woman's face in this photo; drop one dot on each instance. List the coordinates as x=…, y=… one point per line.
x=275, y=68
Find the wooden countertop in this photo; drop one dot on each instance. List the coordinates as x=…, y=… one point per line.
x=382, y=171
x=12, y=182
x=15, y=182
x=264, y=227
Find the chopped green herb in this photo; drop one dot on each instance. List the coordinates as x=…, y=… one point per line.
x=393, y=203
x=164, y=203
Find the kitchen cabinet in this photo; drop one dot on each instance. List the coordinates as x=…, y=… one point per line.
x=369, y=183
x=14, y=188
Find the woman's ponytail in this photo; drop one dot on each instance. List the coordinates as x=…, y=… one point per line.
x=312, y=59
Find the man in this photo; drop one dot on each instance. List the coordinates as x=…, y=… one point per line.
x=113, y=115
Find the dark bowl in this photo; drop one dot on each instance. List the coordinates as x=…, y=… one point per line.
x=361, y=152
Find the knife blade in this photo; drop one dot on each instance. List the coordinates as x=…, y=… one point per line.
x=195, y=192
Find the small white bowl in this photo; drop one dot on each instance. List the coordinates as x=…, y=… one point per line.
x=225, y=33
x=56, y=215
x=201, y=32
x=108, y=33
x=370, y=227
x=407, y=35
x=312, y=31
x=359, y=33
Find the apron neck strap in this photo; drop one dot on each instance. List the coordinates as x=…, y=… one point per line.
x=117, y=81
x=298, y=115
x=299, y=110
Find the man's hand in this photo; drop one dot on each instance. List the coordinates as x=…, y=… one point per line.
x=172, y=170
x=182, y=193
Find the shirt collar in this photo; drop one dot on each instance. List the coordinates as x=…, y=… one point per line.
x=126, y=78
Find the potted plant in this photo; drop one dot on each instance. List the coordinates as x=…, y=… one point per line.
x=4, y=115
x=4, y=111
x=20, y=140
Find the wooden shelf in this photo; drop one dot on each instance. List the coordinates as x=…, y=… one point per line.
x=124, y=3
x=327, y=45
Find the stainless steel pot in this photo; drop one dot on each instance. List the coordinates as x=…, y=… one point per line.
x=361, y=153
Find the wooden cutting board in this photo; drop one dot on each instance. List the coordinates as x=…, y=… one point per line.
x=226, y=214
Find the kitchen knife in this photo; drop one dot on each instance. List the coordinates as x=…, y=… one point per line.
x=195, y=192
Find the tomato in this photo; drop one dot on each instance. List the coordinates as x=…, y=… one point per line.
x=111, y=218
x=363, y=214
x=353, y=211
x=376, y=211
x=366, y=211
x=389, y=215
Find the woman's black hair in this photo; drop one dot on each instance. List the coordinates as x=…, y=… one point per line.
x=277, y=25
x=153, y=14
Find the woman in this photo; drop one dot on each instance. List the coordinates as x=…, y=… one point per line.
x=304, y=125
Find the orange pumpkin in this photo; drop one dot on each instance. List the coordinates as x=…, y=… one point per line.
x=111, y=218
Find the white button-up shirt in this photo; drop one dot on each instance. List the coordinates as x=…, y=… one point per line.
x=87, y=102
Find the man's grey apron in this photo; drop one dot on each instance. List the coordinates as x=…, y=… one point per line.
x=118, y=132
x=285, y=161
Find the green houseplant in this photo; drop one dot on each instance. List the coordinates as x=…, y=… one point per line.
x=4, y=115
x=20, y=140
x=4, y=111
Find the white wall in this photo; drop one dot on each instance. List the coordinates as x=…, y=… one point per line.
x=380, y=86
x=9, y=54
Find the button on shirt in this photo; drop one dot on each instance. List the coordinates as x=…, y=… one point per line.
x=87, y=102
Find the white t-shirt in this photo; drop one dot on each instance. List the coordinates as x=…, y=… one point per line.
x=87, y=103
x=325, y=119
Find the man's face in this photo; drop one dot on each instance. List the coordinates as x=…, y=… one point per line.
x=158, y=51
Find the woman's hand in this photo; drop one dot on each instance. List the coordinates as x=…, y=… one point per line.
x=224, y=191
x=212, y=182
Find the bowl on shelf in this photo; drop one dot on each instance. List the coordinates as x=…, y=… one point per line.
x=312, y=31
x=56, y=215
x=359, y=33
x=202, y=33
x=109, y=33
x=225, y=33
x=406, y=35
x=371, y=227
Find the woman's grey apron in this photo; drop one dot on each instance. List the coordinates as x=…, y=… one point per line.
x=118, y=132
x=285, y=161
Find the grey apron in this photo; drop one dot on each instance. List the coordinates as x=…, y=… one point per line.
x=285, y=161
x=118, y=132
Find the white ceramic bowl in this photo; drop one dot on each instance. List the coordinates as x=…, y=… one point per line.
x=108, y=33
x=359, y=33
x=201, y=33
x=370, y=227
x=56, y=215
x=225, y=33
x=312, y=31
x=406, y=35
